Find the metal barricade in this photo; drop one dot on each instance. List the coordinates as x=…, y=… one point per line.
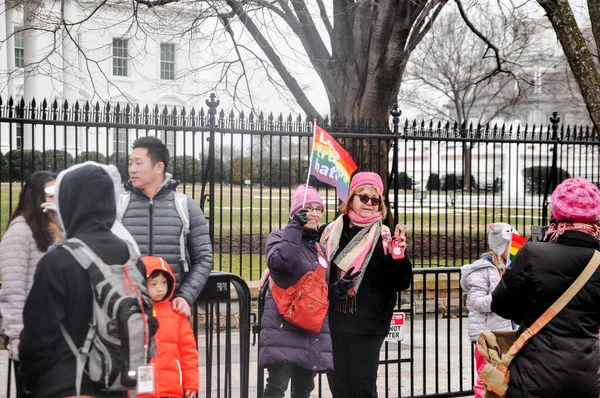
x=218, y=375
x=435, y=357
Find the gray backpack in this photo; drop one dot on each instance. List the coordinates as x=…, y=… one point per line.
x=118, y=340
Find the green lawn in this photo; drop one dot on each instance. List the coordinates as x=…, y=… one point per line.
x=245, y=210
x=254, y=210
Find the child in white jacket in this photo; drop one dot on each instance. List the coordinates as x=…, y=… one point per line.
x=479, y=281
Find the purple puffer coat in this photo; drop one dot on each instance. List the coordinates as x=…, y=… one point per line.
x=291, y=253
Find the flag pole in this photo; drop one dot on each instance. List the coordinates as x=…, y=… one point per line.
x=310, y=159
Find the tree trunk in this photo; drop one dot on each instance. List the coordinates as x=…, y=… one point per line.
x=578, y=54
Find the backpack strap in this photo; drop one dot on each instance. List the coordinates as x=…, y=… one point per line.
x=123, y=204
x=86, y=258
x=554, y=309
x=320, y=269
x=81, y=355
x=181, y=205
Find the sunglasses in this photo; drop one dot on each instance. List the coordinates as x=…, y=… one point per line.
x=365, y=199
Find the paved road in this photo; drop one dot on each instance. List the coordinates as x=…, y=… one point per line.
x=429, y=351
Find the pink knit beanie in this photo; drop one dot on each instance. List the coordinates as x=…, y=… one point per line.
x=312, y=197
x=577, y=200
x=366, y=178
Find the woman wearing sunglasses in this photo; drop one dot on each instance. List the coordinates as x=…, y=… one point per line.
x=358, y=243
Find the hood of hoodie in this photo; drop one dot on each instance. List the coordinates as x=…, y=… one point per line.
x=168, y=184
x=86, y=199
x=154, y=263
x=465, y=270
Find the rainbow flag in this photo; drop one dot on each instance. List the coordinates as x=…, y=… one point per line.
x=330, y=163
x=515, y=244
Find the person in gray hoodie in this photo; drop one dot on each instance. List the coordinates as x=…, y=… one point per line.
x=479, y=281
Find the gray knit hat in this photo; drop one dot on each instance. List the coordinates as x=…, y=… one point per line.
x=500, y=236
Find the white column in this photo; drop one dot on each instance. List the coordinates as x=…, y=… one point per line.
x=3, y=51
x=70, y=54
x=7, y=67
x=10, y=50
x=38, y=45
x=38, y=83
x=69, y=66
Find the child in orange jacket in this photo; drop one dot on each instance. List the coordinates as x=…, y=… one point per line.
x=176, y=371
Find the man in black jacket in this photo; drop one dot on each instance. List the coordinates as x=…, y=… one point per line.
x=152, y=217
x=61, y=292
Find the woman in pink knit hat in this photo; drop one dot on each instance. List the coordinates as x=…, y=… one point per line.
x=287, y=351
x=361, y=307
x=563, y=358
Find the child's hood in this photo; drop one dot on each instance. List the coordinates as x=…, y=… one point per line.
x=152, y=264
x=466, y=270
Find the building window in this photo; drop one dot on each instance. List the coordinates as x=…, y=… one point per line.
x=168, y=138
x=19, y=136
x=19, y=37
x=120, y=57
x=120, y=141
x=167, y=61
x=537, y=82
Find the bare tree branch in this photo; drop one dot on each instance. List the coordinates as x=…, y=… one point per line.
x=324, y=17
x=290, y=81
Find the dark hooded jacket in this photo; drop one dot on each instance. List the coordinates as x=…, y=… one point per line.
x=291, y=253
x=562, y=359
x=156, y=227
x=61, y=292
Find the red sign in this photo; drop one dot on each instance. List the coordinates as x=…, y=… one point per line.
x=396, y=332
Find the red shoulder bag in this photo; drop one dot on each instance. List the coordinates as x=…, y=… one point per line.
x=305, y=303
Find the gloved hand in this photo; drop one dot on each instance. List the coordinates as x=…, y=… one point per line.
x=339, y=289
x=13, y=349
x=301, y=217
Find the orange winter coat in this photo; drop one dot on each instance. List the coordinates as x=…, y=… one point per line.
x=176, y=360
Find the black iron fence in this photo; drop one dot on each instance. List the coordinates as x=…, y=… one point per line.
x=242, y=169
x=447, y=182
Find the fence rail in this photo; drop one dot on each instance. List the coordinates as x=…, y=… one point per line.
x=242, y=169
x=447, y=182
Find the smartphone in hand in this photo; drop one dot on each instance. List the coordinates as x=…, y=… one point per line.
x=397, y=249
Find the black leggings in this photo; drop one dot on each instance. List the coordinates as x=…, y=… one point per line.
x=355, y=362
x=303, y=381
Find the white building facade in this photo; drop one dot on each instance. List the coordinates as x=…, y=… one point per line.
x=96, y=52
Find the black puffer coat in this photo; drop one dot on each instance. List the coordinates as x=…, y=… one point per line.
x=376, y=299
x=563, y=359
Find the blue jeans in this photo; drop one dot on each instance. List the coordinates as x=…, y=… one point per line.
x=303, y=381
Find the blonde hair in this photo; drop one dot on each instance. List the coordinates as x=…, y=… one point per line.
x=496, y=261
x=345, y=207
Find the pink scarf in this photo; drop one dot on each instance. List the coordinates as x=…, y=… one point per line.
x=357, y=252
x=557, y=229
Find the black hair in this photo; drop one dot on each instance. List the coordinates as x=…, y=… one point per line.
x=157, y=150
x=169, y=279
x=30, y=207
x=158, y=272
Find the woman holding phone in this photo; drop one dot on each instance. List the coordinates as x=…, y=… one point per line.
x=367, y=281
